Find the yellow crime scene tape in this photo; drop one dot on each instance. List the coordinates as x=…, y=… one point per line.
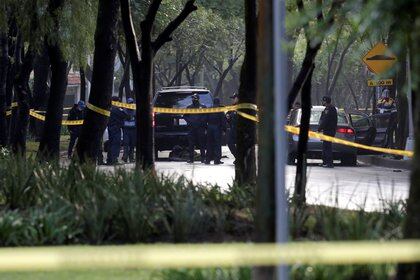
x=248, y=106
x=316, y=135
x=207, y=255
x=191, y=111
x=98, y=110
x=63, y=122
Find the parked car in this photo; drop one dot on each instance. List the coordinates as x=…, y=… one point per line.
x=345, y=131
x=171, y=129
x=365, y=126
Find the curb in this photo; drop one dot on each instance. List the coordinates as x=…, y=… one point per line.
x=385, y=162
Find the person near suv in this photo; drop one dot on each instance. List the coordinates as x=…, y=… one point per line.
x=232, y=118
x=328, y=126
x=76, y=113
x=129, y=133
x=196, y=129
x=216, y=123
x=115, y=124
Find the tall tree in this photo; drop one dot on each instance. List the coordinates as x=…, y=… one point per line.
x=102, y=79
x=406, y=15
x=245, y=167
x=142, y=65
x=314, y=43
x=4, y=65
x=22, y=92
x=40, y=92
x=304, y=78
x=265, y=200
x=300, y=180
x=49, y=147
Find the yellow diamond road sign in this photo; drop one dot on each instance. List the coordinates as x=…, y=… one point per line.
x=379, y=59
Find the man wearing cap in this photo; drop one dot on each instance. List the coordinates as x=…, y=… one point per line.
x=76, y=113
x=196, y=129
x=328, y=126
x=115, y=124
x=232, y=118
x=129, y=133
x=216, y=123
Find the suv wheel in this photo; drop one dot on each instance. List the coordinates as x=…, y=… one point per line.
x=349, y=160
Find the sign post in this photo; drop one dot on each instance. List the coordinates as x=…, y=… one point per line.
x=410, y=140
x=379, y=59
x=280, y=99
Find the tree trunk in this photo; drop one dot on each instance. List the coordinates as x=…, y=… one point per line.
x=412, y=221
x=40, y=90
x=265, y=200
x=353, y=94
x=310, y=54
x=245, y=168
x=13, y=73
x=339, y=67
x=49, y=147
x=18, y=139
x=4, y=65
x=145, y=131
x=402, y=106
x=102, y=80
x=143, y=71
x=300, y=181
x=219, y=87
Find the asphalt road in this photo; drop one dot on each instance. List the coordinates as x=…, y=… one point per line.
x=367, y=187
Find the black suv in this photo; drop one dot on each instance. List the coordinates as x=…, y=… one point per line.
x=171, y=129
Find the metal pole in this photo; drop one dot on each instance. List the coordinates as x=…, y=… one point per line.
x=280, y=98
x=410, y=140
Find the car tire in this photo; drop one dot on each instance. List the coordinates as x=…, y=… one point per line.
x=291, y=159
x=349, y=160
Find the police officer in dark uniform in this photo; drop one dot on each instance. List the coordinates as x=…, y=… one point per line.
x=129, y=133
x=196, y=129
x=216, y=123
x=76, y=113
x=232, y=118
x=328, y=126
x=115, y=124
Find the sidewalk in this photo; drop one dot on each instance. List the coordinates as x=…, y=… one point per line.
x=382, y=161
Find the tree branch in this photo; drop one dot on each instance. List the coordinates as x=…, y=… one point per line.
x=166, y=34
x=130, y=34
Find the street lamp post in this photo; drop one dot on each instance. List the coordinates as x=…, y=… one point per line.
x=280, y=98
x=410, y=140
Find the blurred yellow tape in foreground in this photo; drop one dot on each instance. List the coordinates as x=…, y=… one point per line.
x=207, y=255
x=312, y=134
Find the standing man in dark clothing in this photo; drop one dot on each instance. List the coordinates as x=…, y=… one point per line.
x=232, y=118
x=328, y=126
x=196, y=129
x=216, y=123
x=115, y=124
x=129, y=133
x=76, y=113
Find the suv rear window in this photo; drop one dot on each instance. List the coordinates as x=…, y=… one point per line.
x=181, y=99
x=316, y=115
